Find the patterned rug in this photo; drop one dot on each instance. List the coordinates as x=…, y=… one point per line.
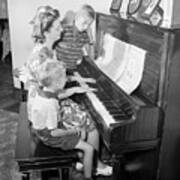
x=8, y=128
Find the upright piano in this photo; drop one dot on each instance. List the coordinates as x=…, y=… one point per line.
x=130, y=123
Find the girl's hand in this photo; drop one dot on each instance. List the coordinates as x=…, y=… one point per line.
x=89, y=80
x=83, y=89
x=68, y=126
x=83, y=80
x=79, y=61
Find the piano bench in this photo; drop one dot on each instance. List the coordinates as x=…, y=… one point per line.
x=35, y=157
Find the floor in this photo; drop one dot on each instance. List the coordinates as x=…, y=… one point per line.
x=8, y=94
x=9, y=102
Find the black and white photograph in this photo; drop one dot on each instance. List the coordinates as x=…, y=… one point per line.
x=89, y=90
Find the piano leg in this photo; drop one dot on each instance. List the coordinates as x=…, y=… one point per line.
x=119, y=171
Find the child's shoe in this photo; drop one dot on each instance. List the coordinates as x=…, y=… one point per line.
x=107, y=171
x=79, y=166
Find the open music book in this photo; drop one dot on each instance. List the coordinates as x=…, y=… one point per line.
x=122, y=62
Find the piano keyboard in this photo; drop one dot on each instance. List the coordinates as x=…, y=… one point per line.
x=102, y=109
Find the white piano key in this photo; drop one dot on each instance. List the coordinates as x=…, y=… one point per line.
x=98, y=105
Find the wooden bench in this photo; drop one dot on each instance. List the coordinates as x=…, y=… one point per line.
x=33, y=156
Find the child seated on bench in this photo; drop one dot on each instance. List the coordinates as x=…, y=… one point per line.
x=47, y=123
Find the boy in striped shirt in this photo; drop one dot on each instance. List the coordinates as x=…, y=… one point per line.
x=71, y=47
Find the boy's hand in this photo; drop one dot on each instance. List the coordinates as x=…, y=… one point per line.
x=79, y=61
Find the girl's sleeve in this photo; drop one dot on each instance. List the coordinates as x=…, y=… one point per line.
x=52, y=116
x=64, y=132
x=37, y=118
x=44, y=116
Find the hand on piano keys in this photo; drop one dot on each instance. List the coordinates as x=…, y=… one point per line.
x=83, y=89
x=75, y=90
x=100, y=108
x=81, y=79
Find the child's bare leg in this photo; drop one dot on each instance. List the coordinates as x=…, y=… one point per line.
x=88, y=157
x=93, y=139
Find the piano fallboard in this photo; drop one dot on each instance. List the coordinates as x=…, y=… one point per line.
x=139, y=125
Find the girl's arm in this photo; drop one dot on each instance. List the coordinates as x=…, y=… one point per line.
x=81, y=79
x=73, y=90
x=62, y=132
x=76, y=132
x=66, y=93
x=22, y=74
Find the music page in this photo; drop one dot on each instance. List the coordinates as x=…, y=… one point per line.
x=122, y=62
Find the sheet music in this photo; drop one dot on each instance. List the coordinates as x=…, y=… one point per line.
x=122, y=62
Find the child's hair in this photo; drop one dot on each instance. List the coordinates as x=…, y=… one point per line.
x=44, y=54
x=89, y=10
x=42, y=22
x=41, y=56
x=51, y=72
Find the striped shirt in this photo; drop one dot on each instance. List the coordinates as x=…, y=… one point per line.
x=69, y=47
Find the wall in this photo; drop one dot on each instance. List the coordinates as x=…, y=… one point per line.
x=22, y=11
x=3, y=9
x=164, y=13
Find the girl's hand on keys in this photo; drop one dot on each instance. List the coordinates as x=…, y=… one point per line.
x=84, y=89
x=89, y=80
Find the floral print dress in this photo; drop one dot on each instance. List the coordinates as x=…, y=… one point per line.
x=39, y=54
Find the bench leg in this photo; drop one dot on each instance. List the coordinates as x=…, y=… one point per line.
x=65, y=173
x=60, y=173
x=35, y=175
x=26, y=176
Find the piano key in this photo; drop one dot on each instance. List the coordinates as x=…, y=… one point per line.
x=115, y=111
x=102, y=96
x=100, y=108
x=113, y=108
x=111, y=111
x=121, y=117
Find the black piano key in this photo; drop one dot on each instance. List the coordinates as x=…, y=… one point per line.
x=111, y=108
x=102, y=96
x=120, y=117
x=93, y=85
x=115, y=111
x=114, y=101
x=126, y=106
x=109, y=103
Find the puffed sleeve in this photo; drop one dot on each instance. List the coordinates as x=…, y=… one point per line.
x=52, y=117
x=38, y=119
x=45, y=116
